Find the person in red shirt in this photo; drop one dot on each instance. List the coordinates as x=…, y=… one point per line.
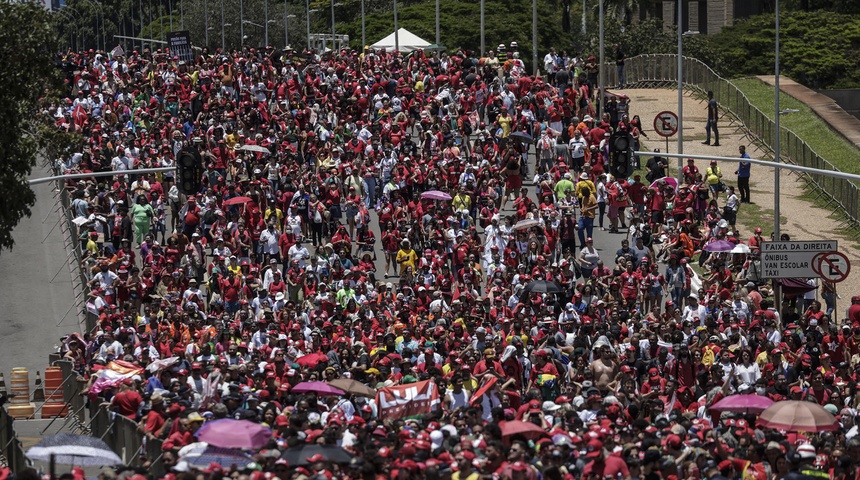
x=543, y=366
x=155, y=418
x=489, y=365
x=192, y=217
x=127, y=401
x=601, y=465
x=184, y=436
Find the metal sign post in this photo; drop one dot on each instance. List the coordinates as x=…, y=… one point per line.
x=666, y=125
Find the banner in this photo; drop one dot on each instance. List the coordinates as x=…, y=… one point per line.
x=402, y=401
x=180, y=46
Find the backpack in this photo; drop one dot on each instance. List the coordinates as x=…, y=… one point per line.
x=467, y=126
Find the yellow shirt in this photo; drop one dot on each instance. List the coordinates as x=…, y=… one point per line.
x=407, y=258
x=505, y=123
x=92, y=247
x=588, y=201
x=472, y=476
x=277, y=213
x=231, y=140
x=461, y=202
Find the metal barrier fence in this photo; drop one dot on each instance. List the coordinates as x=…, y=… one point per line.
x=10, y=447
x=74, y=256
x=122, y=435
x=654, y=71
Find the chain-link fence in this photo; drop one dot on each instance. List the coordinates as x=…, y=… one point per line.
x=659, y=71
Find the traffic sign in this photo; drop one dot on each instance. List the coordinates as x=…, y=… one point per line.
x=832, y=266
x=793, y=259
x=666, y=123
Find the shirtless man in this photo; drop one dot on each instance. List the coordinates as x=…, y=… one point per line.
x=604, y=369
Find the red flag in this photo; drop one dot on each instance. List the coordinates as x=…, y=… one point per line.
x=79, y=116
x=476, y=397
x=408, y=400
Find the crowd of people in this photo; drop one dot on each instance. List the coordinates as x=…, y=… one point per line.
x=386, y=217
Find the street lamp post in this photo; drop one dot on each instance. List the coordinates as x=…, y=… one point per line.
x=438, y=36
x=160, y=21
x=363, y=37
x=150, y=24
x=600, y=69
x=206, y=21
x=482, y=30
x=396, y=33
x=680, y=90
x=287, y=18
x=776, y=149
x=534, y=37
x=332, y=26
x=308, y=18
x=266, y=30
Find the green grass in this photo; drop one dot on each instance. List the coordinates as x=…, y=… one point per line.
x=825, y=141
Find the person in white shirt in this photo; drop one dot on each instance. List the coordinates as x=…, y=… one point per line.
x=576, y=147
x=145, y=345
x=299, y=253
x=269, y=241
x=111, y=348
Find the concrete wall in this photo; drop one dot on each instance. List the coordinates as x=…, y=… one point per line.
x=848, y=99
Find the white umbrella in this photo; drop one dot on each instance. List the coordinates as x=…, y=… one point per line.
x=254, y=148
x=162, y=364
x=72, y=449
x=740, y=248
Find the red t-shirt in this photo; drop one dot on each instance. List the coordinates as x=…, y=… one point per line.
x=127, y=403
x=607, y=467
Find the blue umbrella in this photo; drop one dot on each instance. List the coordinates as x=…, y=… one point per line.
x=72, y=449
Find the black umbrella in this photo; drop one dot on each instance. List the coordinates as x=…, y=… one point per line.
x=332, y=453
x=542, y=286
x=522, y=137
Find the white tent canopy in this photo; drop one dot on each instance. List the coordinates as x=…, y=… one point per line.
x=407, y=41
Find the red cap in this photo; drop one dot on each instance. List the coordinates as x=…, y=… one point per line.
x=594, y=448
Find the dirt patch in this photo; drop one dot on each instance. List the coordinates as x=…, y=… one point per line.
x=801, y=218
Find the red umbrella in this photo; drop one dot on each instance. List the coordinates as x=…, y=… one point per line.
x=526, y=429
x=311, y=360
x=236, y=201
x=798, y=416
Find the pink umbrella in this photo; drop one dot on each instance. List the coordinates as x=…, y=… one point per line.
x=229, y=433
x=320, y=388
x=754, y=404
x=667, y=180
x=719, y=246
x=798, y=416
x=436, y=195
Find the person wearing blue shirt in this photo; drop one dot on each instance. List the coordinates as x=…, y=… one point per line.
x=743, y=173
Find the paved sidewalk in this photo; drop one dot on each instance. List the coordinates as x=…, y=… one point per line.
x=825, y=107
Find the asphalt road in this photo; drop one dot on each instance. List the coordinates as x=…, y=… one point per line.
x=31, y=305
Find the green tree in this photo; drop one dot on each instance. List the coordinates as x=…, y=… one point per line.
x=27, y=42
x=812, y=52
